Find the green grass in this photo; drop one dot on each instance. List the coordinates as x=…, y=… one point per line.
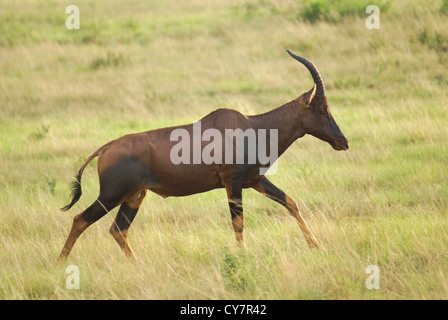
x=135, y=66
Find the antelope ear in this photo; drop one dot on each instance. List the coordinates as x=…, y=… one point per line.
x=309, y=96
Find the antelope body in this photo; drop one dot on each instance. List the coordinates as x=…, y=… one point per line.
x=135, y=163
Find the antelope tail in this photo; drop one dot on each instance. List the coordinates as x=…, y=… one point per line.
x=75, y=186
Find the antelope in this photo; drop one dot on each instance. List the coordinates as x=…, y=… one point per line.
x=131, y=165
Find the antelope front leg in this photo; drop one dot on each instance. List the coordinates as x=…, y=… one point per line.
x=235, y=198
x=267, y=188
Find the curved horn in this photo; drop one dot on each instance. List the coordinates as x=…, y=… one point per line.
x=320, y=90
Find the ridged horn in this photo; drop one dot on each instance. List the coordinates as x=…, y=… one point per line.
x=320, y=89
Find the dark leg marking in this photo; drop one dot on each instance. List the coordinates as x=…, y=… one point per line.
x=235, y=198
x=82, y=221
x=125, y=216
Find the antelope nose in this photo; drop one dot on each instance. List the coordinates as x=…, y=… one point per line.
x=343, y=142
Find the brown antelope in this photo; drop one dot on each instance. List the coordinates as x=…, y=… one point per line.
x=135, y=163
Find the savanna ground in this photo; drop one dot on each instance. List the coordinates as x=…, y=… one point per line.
x=136, y=65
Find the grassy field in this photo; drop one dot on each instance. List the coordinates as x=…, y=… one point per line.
x=139, y=65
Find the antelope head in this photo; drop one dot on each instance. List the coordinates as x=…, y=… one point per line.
x=316, y=119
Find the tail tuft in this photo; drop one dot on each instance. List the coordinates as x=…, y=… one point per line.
x=76, y=185
x=75, y=192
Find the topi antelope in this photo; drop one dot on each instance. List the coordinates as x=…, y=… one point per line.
x=135, y=163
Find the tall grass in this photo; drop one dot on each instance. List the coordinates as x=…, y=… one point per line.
x=135, y=66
